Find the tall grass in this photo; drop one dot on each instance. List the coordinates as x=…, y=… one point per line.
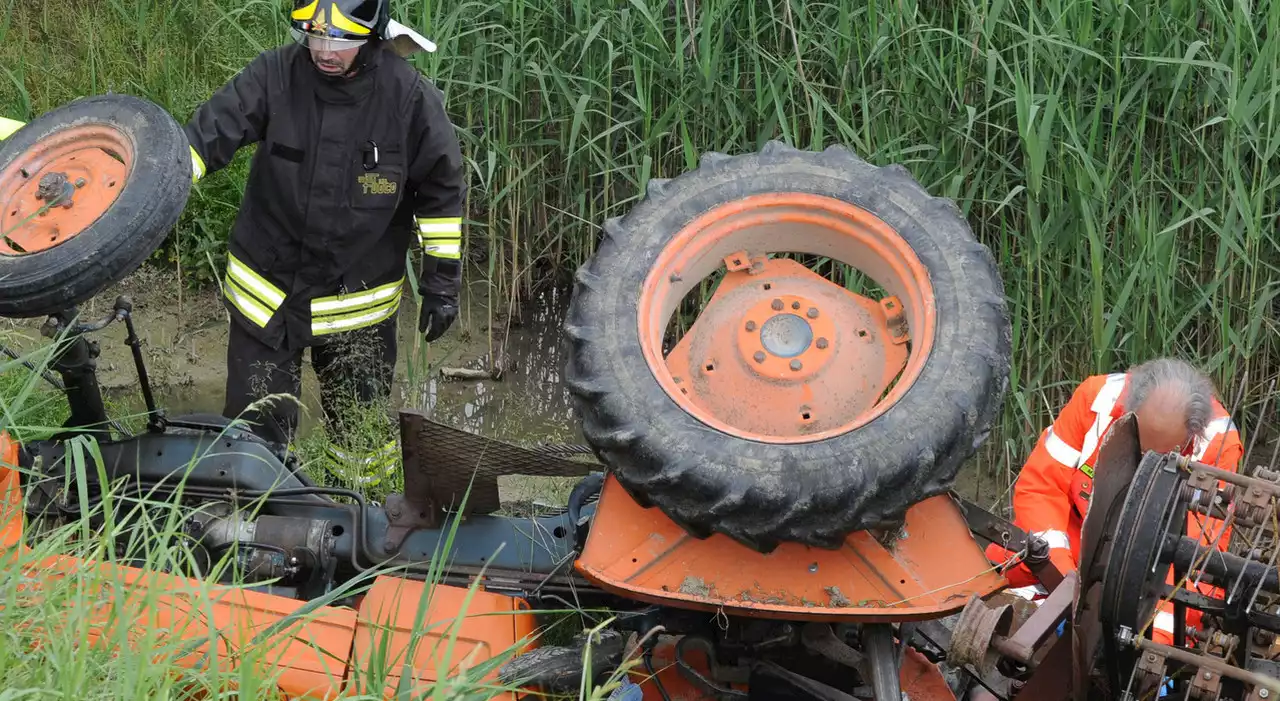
x=1116, y=156
x=98, y=607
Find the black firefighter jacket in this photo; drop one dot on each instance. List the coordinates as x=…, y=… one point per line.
x=346, y=173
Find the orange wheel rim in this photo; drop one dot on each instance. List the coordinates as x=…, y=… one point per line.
x=61, y=186
x=780, y=354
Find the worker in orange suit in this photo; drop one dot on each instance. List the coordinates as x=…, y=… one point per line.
x=1177, y=412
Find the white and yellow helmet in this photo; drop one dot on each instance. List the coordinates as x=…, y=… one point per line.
x=337, y=25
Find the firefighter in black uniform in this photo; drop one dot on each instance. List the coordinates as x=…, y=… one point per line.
x=356, y=158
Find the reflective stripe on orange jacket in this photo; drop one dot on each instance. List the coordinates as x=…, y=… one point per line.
x=1052, y=493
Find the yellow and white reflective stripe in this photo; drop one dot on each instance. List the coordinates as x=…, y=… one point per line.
x=305, y=13
x=359, y=300
x=341, y=22
x=440, y=227
x=247, y=304
x=450, y=251
x=378, y=457
x=8, y=127
x=382, y=461
x=1059, y=450
x=254, y=283
x=1217, y=427
x=350, y=321
x=441, y=236
x=1102, y=406
x=1055, y=539
x=197, y=165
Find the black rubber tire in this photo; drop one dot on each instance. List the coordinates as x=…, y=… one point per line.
x=147, y=208
x=815, y=493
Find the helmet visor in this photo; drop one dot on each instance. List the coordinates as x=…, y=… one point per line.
x=320, y=43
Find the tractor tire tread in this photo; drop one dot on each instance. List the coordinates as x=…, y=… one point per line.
x=148, y=206
x=763, y=494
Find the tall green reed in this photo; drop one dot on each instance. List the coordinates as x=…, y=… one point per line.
x=1113, y=156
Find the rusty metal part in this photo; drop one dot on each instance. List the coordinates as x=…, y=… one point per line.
x=442, y=465
x=56, y=189
x=1054, y=677
x=1022, y=644
x=1254, y=506
x=895, y=320
x=1212, y=664
x=1193, y=466
x=1262, y=473
x=1151, y=669
x=974, y=632
x=1206, y=685
x=643, y=555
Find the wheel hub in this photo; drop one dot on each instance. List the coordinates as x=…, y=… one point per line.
x=785, y=337
x=90, y=163
x=808, y=356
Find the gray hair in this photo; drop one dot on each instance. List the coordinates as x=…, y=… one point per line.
x=1190, y=382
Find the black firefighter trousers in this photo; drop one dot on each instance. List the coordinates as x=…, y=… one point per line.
x=356, y=365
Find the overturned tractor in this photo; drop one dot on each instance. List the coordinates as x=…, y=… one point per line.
x=770, y=515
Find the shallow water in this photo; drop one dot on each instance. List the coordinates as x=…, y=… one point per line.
x=527, y=403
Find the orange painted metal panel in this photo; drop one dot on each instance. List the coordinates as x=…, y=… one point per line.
x=454, y=633
x=11, y=516
x=930, y=571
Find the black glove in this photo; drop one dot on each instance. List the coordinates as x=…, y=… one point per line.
x=436, y=316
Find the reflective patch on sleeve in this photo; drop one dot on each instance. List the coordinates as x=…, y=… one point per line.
x=1059, y=450
x=197, y=165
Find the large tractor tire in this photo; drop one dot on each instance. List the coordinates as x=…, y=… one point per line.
x=792, y=410
x=87, y=192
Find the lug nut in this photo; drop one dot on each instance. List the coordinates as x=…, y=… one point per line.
x=777, y=305
x=751, y=326
x=795, y=305
x=80, y=182
x=795, y=365
x=813, y=312
x=822, y=344
x=759, y=356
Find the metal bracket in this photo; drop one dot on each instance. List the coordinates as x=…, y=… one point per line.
x=895, y=319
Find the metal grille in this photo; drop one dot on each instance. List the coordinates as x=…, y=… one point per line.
x=441, y=463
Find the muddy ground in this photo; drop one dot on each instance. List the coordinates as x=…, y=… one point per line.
x=184, y=341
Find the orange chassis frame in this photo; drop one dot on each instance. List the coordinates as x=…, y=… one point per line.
x=930, y=571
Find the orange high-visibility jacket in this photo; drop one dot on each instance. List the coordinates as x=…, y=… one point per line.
x=1052, y=493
